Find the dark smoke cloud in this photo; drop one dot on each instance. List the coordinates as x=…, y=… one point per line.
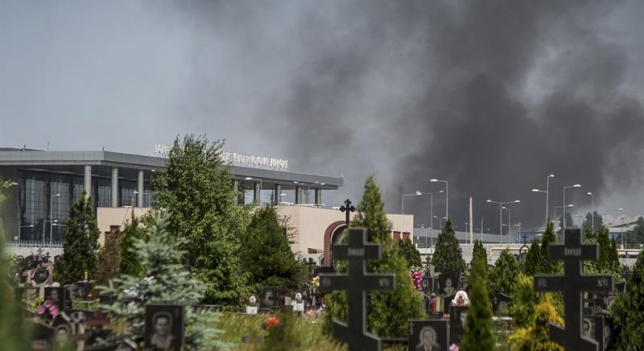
x=491, y=95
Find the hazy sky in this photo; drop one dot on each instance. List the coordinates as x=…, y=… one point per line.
x=490, y=95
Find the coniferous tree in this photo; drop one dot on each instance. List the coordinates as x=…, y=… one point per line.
x=197, y=188
x=410, y=253
x=448, y=255
x=165, y=281
x=478, y=323
x=388, y=312
x=546, y=266
x=627, y=310
x=524, y=301
x=81, y=244
x=479, y=253
x=532, y=262
x=502, y=277
x=12, y=329
x=276, y=266
x=129, y=263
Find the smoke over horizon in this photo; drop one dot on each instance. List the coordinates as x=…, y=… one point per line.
x=492, y=96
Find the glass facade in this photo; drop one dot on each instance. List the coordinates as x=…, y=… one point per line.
x=44, y=200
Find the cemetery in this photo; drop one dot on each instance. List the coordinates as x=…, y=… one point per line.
x=191, y=275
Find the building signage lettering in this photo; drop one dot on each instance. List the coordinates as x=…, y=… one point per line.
x=163, y=150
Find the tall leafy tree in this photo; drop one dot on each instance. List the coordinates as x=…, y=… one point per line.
x=410, y=253
x=478, y=333
x=81, y=244
x=536, y=336
x=627, y=310
x=502, y=278
x=596, y=222
x=533, y=260
x=197, y=189
x=388, y=312
x=448, y=255
x=524, y=301
x=635, y=236
x=276, y=266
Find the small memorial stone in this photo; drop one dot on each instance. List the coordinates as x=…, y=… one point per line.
x=457, y=324
x=269, y=297
x=500, y=303
x=164, y=327
x=428, y=335
x=298, y=303
x=251, y=308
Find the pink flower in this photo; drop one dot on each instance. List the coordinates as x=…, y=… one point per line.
x=36, y=319
x=41, y=310
x=47, y=304
x=453, y=347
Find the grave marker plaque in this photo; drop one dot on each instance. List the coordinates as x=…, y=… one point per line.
x=164, y=327
x=457, y=315
x=428, y=335
x=357, y=282
x=573, y=284
x=500, y=303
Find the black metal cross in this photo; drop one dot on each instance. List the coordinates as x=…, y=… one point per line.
x=573, y=284
x=347, y=209
x=525, y=238
x=357, y=282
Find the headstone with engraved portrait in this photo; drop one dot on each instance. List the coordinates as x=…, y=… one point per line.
x=298, y=302
x=449, y=284
x=428, y=335
x=59, y=296
x=596, y=328
x=269, y=297
x=43, y=337
x=457, y=323
x=70, y=322
x=501, y=304
x=164, y=327
x=252, y=304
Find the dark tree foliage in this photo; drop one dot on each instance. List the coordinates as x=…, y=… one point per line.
x=109, y=258
x=81, y=244
x=627, y=311
x=197, y=189
x=479, y=253
x=388, y=312
x=533, y=259
x=130, y=264
x=478, y=334
x=503, y=276
x=546, y=266
x=410, y=253
x=635, y=237
x=596, y=222
x=266, y=253
x=448, y=255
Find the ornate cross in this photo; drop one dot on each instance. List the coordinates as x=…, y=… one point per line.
x=573, y=284
x=347, y=208
x=357, y=282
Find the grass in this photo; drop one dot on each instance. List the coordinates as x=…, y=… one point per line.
x=309, y=328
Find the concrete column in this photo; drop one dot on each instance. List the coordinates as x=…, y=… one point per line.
x=139, y=188
x=298, y=194
x=318, y=196
x=88, y=181
x=277, y=190
x=115, y=187
x=257, y=193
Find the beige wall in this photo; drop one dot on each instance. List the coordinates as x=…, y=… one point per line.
x=309, y=224
x=306, y=223
x=109, y=216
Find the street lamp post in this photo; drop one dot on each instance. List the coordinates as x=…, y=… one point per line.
x=518, y=225
x=592, y=221
x=417, y=193
x=556, y=207
x=564, y=203
x=509, y=223
x=501, y=203
x=434, y=180
x=51, y=217
x=440, y=221
x=545, y=192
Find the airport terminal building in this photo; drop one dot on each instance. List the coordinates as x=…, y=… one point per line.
x=48, y=182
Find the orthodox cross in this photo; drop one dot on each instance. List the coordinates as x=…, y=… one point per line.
x=357, y=282
x=347, y=209
x=525, y=238
x=573, y=284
